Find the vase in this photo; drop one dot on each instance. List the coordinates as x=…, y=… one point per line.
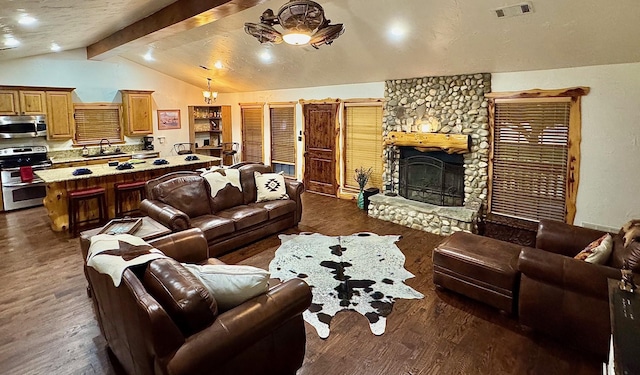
x=361, y=200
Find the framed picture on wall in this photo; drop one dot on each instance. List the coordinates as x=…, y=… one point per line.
x=168, y=119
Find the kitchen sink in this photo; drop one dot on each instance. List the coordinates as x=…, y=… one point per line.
x=104, y=155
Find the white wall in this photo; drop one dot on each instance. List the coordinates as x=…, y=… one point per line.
x=100, y=81
x=610, y=148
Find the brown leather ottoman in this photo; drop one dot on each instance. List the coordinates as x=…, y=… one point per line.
x=479, y=267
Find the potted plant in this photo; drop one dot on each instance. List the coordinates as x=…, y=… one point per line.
x=362, y=177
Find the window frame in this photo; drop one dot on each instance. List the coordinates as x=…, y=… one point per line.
x=377, y=103
x=292, y=106
x=257, y=106
x=572, y=177
x=98, y=106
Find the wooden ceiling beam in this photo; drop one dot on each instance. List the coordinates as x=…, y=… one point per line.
x=174, y=18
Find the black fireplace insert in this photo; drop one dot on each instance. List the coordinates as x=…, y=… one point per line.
x=433, y=177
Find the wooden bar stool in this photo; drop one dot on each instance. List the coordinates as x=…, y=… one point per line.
x=123, y=189
x=77, y=196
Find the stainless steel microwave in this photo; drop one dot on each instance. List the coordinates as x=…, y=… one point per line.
x=23, y=126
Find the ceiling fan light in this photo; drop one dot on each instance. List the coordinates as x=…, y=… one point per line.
x=296, y=39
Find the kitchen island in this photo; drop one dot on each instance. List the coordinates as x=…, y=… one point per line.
x=59, y=181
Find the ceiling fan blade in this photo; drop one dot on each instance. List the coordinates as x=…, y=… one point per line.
x=326, y=35
x=264, y=33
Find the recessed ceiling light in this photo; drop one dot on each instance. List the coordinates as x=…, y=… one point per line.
x=398, y=32
x=265, y=56
x=55, y=47
x=10, y=41
x=218, y=64
x=27, y=20
x=147, y=56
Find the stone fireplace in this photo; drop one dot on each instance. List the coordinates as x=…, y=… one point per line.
x=436, y=132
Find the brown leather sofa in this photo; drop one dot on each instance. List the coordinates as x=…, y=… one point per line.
x=230, y=219
x=162, y=320
x=551, y=292
x=564, y=297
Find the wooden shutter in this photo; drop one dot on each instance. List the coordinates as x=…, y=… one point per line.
x=96, y=122
x=530, y=153
x=251, y=133
x=363, y=143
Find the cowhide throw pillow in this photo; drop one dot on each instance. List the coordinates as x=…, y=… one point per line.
x=270, y=186
x=231, y=285
x=226, y=189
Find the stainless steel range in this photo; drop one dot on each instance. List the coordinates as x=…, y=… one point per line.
x=20, y=187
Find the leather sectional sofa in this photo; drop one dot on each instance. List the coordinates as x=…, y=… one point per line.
x=162, y=320
x=230, y=219
x=545, y=287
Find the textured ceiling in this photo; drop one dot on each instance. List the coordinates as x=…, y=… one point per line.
x=441, y=38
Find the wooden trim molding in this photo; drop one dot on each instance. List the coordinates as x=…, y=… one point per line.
x=540, y=93
x=319, y=101
x=450, y=143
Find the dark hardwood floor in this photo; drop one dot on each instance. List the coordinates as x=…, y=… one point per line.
x=47, y=324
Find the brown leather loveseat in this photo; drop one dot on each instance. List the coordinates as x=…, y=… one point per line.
x=182, y=200
x=162, y=320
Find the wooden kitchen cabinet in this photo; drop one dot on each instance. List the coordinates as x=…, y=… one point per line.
x=33, y=103
x=9, y=102
x=60, y=123
x=22, y=102
x=137, y=106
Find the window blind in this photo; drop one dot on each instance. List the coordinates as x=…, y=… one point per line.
x=363, y=143
x=283, y=135
x=252, y=133
x=94, y=123
x=530, y=148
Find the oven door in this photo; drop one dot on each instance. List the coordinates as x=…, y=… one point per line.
x=17, y=194
x=23, y=195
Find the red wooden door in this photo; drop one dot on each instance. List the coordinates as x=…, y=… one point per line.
x=320, y=148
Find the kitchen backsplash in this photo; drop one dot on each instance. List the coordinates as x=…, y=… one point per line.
x=77, y=152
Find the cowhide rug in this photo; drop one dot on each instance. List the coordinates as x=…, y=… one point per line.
x=363, y=272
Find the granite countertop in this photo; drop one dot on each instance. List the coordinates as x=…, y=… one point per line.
x=100, y=170
x=73, y=159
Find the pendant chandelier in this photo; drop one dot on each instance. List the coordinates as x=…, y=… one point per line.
x=208, y=94
x=303, y=22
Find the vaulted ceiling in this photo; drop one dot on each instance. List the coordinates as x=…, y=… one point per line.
x=383, y=39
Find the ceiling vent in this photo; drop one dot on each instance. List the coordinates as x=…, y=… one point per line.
x=515, y=10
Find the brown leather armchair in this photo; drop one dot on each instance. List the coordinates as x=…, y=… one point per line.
x=563, y=297
x=161, y=320
x=230, y=219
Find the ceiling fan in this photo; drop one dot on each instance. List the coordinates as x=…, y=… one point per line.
x=303, y=22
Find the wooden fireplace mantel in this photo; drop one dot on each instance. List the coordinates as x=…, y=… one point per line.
x=450, y=143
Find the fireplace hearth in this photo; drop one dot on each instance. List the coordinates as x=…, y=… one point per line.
x=434, y=177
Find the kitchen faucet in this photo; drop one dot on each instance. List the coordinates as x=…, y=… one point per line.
x=101, y=149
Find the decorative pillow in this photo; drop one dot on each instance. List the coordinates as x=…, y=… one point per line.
x=181, y=294
x=231, y=285
x=598, y=251
x=188, y=194
x=627, y=247
x=270, y=186
x=226, y=190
